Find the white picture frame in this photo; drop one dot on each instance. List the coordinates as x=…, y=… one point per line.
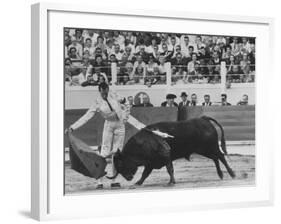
x=49, y=202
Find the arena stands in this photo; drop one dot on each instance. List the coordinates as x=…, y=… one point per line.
x=146, y=58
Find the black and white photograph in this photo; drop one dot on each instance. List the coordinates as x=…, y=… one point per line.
x=157, y=111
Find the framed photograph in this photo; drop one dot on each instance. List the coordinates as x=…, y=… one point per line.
x=144, y=111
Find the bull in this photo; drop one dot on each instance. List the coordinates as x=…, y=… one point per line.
x=197, y=135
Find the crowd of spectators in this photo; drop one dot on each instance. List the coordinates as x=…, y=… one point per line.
x=142, y=57
x=185, y=102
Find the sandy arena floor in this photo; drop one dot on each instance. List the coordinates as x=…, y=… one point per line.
x=198, y=173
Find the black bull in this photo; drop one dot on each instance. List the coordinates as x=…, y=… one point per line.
x=146, y=149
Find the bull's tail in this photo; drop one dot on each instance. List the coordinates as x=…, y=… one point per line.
x=223, y=146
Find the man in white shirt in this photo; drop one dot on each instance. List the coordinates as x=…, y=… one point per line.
x=92, y=35
x=119, y=39
x=89, y=47
x=117, y=52
x=184, y=47
x=108, y=105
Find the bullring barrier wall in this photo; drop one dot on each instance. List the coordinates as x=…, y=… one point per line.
x=238, y=121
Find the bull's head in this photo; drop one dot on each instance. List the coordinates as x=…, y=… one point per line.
x=123, y=165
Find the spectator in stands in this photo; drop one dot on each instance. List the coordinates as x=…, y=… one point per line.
x=152, y=77
x=244, y=100
x=150, y=48
x=191, y=64
x=98, y=51
x=107, y=35
x=203, y=69
x=161, y=67
x=227, y=53
x=92, y=35
x=139, y=75
x=173, y=44
x=211, y=71
x=140, y=45
x=235, y=49
x=131, y=38
x=78, y=37
x=67, y=42
x=170, y=98
x=146, y=102
x=118, y=39
x=89, y=47
x=196, y=74
x=177, y=50
x=73, y=55
x=224, y=100
x=245, y=64
x=166, y=53
x=100, y=44
x=143, y=54
x=109, y=47
x=234, y=73
x=117, y=52
x=86, y=60
x=129, y=52
x=122, y=63
x=125, y=79
x=139, y=63
x=156, y=53
x=230, y=62
x=203, y=54
x=184, y=46
x=216, y=58
x=238, y=52
x=151, y=65
x=207, y=101
x=77, y=80
x=178, y=60
x=193, y=100
x=122, y=76
x=67, y=69
x=113, y=59
x=246, y=45
x=130, y=70
x=190, y=53
x=98, y=61
x=79, y=49
x=185, y=102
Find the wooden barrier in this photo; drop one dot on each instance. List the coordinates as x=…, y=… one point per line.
x=91, y=132
x=238, y=121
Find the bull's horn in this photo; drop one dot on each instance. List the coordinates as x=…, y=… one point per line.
x=113, y=177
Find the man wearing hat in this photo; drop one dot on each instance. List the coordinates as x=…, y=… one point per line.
x=185, y=102
x=170, y=101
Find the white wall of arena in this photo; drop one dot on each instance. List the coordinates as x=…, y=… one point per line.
x=77, y=97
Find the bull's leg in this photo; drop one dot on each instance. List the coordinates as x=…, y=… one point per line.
x=170, y=170
x=220, y=173
x=229, y=170
x=147, y=170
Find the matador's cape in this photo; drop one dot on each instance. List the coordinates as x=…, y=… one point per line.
x=85, y=160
